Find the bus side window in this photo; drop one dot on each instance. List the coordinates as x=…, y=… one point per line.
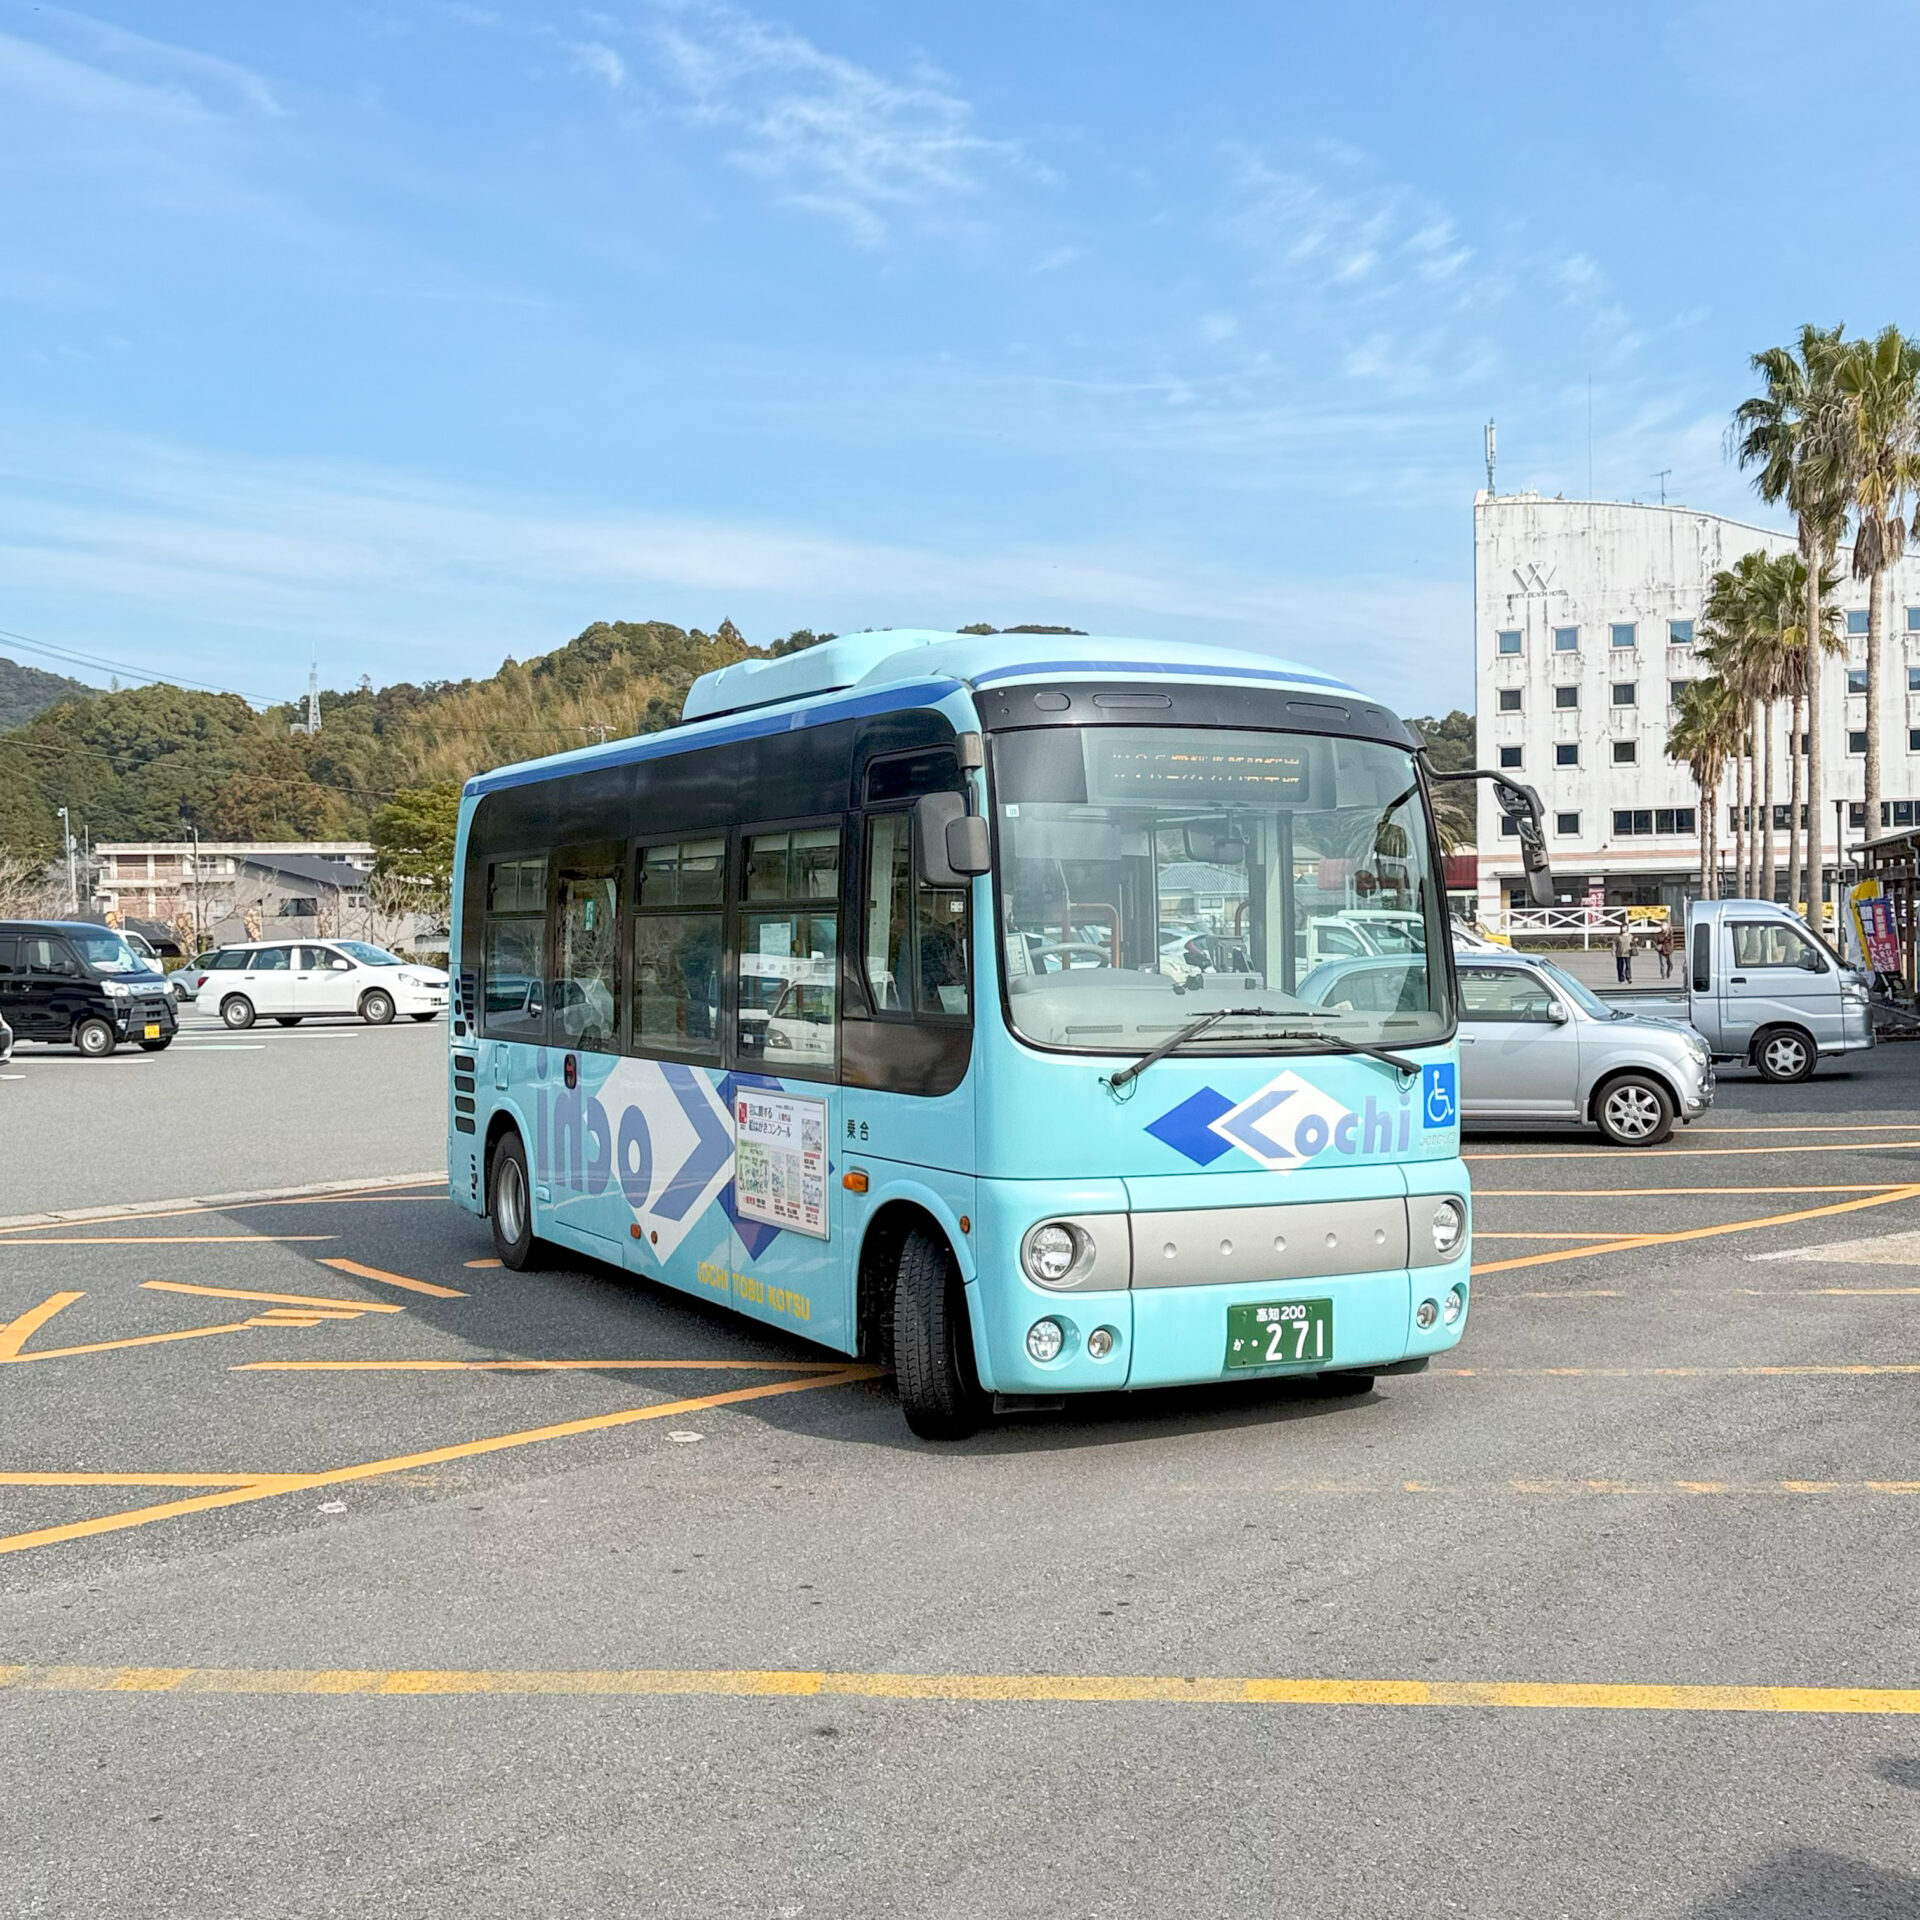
x=513, y=1002
x=787, y=964
x=889, y=889
x=676, y=949
x=586, y=984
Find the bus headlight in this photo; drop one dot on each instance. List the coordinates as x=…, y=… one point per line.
x=1448, y=1225
x=1050, y=1253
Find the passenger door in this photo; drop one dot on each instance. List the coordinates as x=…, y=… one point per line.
x=1516, y=1061
x=585, y=998
x=325, y=982
x=13, y=984
x=268, y=981
x=1778, y=976
x=54, y=991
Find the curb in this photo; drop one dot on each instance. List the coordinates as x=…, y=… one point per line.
x=76, y=1216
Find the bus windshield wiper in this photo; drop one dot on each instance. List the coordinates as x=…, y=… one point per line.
x=1191, y=1031
x=1337, y=1043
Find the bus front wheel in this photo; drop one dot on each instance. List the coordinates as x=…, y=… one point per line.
x=933, y=1344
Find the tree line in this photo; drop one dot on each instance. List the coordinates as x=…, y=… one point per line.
x=1833, y=435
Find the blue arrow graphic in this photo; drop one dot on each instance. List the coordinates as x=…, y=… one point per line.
x=712, y=1149
x=1239, y=1127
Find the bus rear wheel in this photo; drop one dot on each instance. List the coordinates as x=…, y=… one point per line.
x=933, y=1343
x=510, y=1205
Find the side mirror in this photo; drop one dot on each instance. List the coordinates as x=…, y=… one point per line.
x=953, y=842
x=1557, y=1013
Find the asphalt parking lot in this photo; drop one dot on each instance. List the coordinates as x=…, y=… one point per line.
x=346, y=1571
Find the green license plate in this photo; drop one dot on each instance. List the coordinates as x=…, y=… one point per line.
x=1280, y=1333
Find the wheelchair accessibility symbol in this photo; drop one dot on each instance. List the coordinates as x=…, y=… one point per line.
x=1439, y=1104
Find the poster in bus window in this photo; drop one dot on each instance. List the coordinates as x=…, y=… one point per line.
x=780, y=1160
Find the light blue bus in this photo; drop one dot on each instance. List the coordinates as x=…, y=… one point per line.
x=945, y=1000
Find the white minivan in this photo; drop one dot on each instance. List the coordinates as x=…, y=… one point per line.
x=294, y=980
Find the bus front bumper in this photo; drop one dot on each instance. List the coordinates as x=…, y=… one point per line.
x=1164, y=1335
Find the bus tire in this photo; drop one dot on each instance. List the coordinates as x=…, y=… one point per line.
x=940, y=1391
x=510, y=1204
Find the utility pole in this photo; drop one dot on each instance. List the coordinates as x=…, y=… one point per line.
x=73, y=885
x=199, y=934
x=1490, y=457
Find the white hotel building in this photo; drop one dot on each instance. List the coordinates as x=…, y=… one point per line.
x=1585, y=614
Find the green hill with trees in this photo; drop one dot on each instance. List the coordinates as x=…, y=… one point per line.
x=28, y=691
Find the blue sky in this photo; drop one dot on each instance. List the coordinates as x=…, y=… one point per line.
x=423, y=334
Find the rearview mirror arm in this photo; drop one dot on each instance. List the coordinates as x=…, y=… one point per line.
x=1521, y=805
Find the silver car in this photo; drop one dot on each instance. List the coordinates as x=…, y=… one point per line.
x=1538, y=1045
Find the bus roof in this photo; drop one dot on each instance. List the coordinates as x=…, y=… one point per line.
x=861, y=673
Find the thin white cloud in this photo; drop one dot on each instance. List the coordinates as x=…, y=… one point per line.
x=101, y=68
x=830, y=135
x=595, y=57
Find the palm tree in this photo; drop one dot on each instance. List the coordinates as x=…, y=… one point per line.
x=1877, y=382
x=1789, y=431
x=1740, y=642
x=1798, y=669
x=1703, y=734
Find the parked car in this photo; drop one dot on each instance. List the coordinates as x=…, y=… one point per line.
x=72, y=983
x=1538, y=1045
x=184, y=982
x=294, y=980
x=1764, y=987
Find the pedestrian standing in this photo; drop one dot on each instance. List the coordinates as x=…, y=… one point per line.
x=1665, y=945
x=1623, y=955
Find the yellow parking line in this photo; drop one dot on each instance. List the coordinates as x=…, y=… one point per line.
x=1640, y=1193
x=1643, y=1240
x=130, y=1479
x=1581, y=1489
x=999, y=1689
x=381, y=1277
x=401, y=1463
x=531, y=1366
x=279, y=1299
x=14, y=1334
x=173, y=1240
x=1694, y=1153
x=481, y=1263
x=113, y=1346
x=1675, y=1373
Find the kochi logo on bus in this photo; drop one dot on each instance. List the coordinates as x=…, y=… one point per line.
x=1289, y=1122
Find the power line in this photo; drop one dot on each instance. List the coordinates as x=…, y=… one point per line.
x=74, y=658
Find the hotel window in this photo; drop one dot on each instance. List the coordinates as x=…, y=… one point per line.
x=1621, y=634
x=1913, y=619
x=1509, y=699
x=1566, y=753
x=1507, y=640
x=1566, y=696
x=1566, y=639
x=1857, y=742
x=1677, y=690
x=1913, y=739
x=1626, y=753
x=1509, y=828
x=1856, y=620
x=1510, y=757
x=1656, y=820
x=1626, y=693
x=1568, y=824
x=1913, y=679
x=1680, y=633
x=1856, y=679
x=1856, y=813
x=1902, y=814
x=1626, y=822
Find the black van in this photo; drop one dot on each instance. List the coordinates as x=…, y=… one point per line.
x=69, y=982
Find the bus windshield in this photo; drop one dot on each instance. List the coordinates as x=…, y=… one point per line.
x=1150, y=875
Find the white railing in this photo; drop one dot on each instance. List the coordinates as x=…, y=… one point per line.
x=1585, y=921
